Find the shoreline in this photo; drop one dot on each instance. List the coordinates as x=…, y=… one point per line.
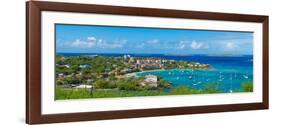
x=135, y=73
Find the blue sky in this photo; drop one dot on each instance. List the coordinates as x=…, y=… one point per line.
x=107, y=39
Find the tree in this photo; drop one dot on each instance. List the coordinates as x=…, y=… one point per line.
x=247, y=87
x=59, y=82
x=211, y=88
x=128, y=84
x=181, y=90
x=101, y=84
x=163, y=83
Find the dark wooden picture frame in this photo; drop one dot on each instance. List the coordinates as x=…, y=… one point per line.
x=33, y=61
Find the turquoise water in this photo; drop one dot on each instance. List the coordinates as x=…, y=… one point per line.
x=227, y=73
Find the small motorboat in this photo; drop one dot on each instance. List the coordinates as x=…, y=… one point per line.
x=245, y=76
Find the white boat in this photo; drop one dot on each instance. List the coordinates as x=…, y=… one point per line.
x=245, y=76
x=196, y=83
x=221, y=77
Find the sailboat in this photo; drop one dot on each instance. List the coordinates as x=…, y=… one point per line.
x=196, y=83
x=191, y=76
x=230, y=83
x=220, y=77
x=245, y=76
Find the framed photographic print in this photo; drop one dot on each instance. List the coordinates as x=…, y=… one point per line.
x=94, y=62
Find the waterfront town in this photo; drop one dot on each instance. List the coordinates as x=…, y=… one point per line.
x=107, y=72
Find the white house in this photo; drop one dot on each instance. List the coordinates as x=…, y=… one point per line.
x=83, y=86
x=84, y=66
x=150, y=80
x=66, y=66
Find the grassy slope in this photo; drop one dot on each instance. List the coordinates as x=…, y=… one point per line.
x=62, y=94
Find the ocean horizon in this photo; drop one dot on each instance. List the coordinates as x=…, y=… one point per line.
x=174, y=54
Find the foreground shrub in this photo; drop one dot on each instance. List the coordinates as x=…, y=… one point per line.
x=247, y=87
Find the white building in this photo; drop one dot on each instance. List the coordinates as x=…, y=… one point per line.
x=83, y=86
x=150, y=80
x=84, y=66
x=66, y=66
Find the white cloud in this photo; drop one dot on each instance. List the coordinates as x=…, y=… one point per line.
x=92, y=42
x=82, y=44
x=230, y=45
x=192, y=45
x=183, y=44
x=92, y=38
x=116, y=44
x=155, y=41
x=196, y=45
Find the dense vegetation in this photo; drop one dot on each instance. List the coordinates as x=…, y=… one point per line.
x=105, y=72
x=178, y=90
x=101, y=66
x=247, y=87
